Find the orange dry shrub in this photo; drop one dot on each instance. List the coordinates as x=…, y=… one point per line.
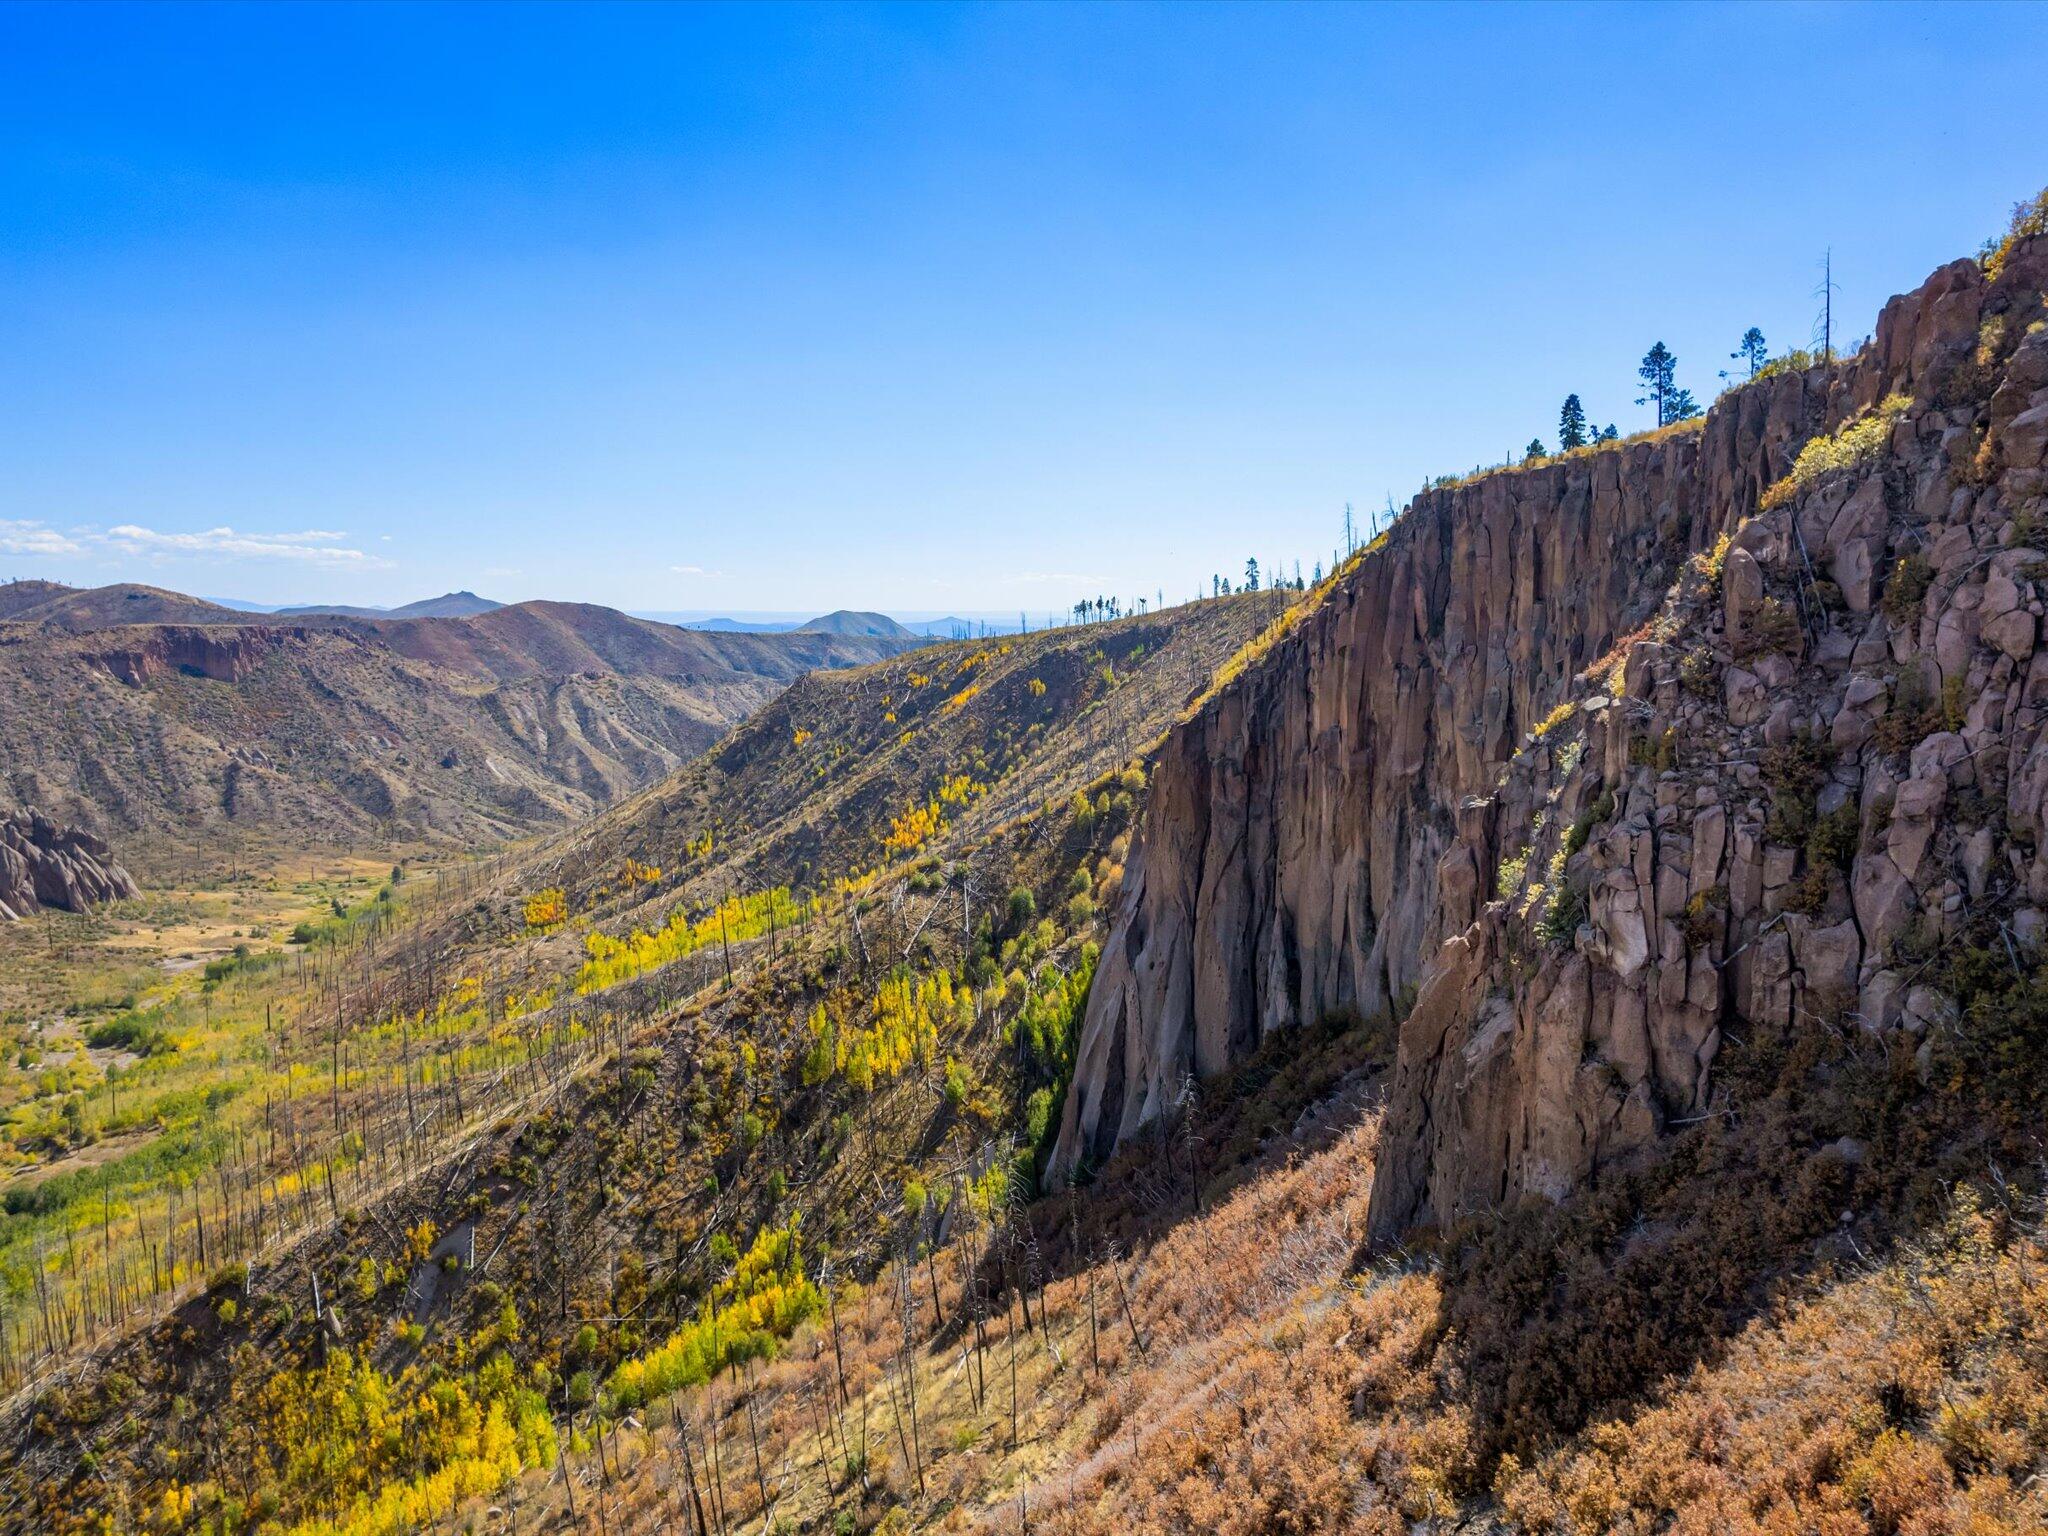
x=1276, y=1391
x=1913, y=1401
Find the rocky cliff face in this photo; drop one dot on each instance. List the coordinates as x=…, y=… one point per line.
x=45, y=865
x=1517, y=781
x=224, y=654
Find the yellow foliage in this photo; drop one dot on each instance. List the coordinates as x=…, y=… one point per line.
x=373, y=1455
x=547, y=909
x=2029, y=218
x=419, y=1242
x=913, y=828
x=800, y=736
x=902, y=1030
x=746, y=1314
x=1037, y=688
x=959, y=789
x=1554, y=719
x=737, y=918
x=1855, y=442
x=960, y=699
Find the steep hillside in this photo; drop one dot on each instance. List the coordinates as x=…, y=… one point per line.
x=810, y=790
x=783, y=1053
x=477, y=728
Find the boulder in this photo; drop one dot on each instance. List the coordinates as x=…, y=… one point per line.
x=2025, y=439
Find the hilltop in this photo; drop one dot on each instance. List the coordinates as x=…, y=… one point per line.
x=450, y=605
x=845, y=621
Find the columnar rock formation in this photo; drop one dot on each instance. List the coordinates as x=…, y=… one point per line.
x=45, y=865
x=1508, y=782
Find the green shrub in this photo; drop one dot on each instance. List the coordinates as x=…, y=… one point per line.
x=1704, y=919
x=1834, y=837
x=136, y=1032
x=1576, y=835
x=1560, y=921
x=1794, y=772
x=1907, y=588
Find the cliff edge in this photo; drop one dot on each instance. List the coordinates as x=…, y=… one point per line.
x=1539, y=777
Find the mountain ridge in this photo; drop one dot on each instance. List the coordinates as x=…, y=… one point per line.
x=486, y=725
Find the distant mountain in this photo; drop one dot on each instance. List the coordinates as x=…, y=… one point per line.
x=846, y=621
x=136, y=710
x=450, y=605
x=952, y=628
x=740, y=626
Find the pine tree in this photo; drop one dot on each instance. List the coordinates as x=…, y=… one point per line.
x=1681, y=406
x=1571, y=425
x=1609, y=434
x=1752, y=350
x=1251, y=575
x=1659, y=375
x=1535, y=448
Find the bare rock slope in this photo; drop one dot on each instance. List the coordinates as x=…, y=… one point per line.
x=1595, y=761
x=45, y=865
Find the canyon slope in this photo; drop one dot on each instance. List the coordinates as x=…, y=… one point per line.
x=136, y=710
x=1541, y=779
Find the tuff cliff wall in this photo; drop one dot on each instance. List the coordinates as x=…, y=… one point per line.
x=45, y=865
x=1328, y=834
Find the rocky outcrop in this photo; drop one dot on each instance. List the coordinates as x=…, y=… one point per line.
x=1517, y=781
x=45, y=865
x=224, y=654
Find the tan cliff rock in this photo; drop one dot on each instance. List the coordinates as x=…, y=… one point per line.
x=1566, y=924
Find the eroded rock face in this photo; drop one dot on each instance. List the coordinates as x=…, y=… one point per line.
x=224, y=654
x=45, y=865
x=1366, y=822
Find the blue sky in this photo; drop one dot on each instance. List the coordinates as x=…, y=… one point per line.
x=920, y=308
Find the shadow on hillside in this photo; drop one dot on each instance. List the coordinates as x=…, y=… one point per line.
x=1299, y=1093
x=1828, y=1154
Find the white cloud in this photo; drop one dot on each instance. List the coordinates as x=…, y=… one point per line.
x=313, y=546
x=28, y=538
x=695, y=570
